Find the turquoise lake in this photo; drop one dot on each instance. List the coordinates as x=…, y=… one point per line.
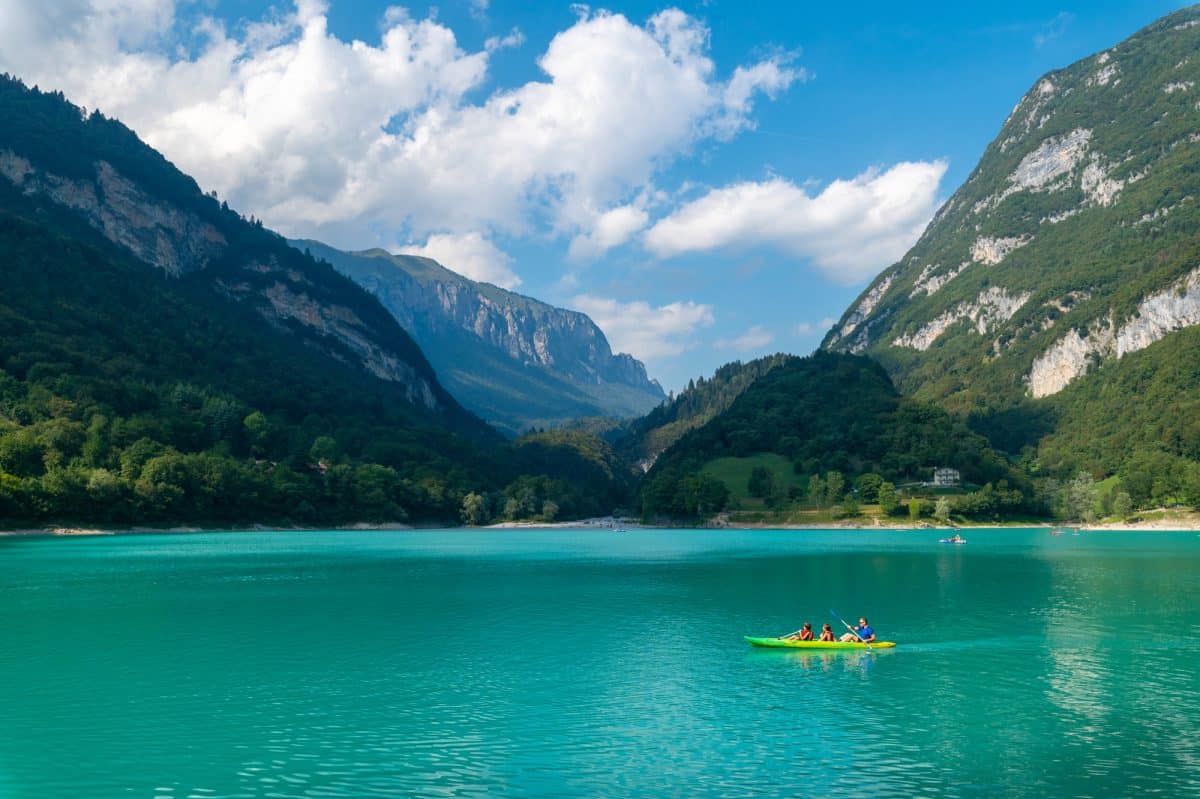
x=595, y=664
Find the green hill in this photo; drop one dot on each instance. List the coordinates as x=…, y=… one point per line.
x=1052, y=297
x=644, y=439
x=824, y=413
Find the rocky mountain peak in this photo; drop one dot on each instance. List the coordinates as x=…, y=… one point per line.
x=1070, y=245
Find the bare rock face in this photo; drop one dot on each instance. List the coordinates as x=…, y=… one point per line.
x=556, y=363
x=1157, y=315
x=991, y=251
x=1071, y=244
x=174, y=240
x=866, y=306
x=992, y=307
x=180, y=242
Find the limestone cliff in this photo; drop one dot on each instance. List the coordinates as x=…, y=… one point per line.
x=95, y=171
x=1072, y=244
x=513, y=360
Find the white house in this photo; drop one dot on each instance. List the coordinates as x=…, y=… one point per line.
x=945, y=477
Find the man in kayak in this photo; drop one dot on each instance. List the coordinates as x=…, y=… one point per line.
x=805, y=634
x=864, y=632
x=827, y=632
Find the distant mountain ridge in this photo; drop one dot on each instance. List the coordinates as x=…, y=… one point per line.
x=1071, y=249
x=515, y=361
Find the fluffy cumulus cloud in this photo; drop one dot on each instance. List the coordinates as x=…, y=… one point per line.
x=755, y=338
x=363, y=142
x=850, y=229
x=610, y=229
x=469, y=254
x=647, y=332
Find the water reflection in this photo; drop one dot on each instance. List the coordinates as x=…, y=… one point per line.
x=552, y=663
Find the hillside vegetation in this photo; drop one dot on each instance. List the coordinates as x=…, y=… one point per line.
x=644, y=439
x=827, y=413
x=249, y=384
x=1054, y=299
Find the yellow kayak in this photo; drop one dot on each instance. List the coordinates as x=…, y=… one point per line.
x=785, y=643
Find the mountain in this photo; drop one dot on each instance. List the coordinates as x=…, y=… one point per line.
x=134, y=198
x=514, y=361
x=827, y=412
x=163, y=360
x=1065, y=266
x=643, y=440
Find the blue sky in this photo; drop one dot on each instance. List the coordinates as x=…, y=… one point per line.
x=710, y=180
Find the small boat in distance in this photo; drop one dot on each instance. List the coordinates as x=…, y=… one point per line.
x=788, y=643
x=954, y=539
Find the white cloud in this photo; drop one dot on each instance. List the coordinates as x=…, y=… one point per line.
x=360, y=142
x=754, y=338
x=471, y=255
x=850, y=230
x=646, y=332
x=611, y=229
x=809, y=328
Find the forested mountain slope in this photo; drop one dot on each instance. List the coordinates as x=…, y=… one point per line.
x=644, y=439
x=1072, y=248
x=826, y=412
x=163, y=360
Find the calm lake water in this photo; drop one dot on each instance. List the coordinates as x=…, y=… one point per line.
x=590, y=663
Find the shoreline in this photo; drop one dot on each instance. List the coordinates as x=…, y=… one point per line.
x=1169, y=522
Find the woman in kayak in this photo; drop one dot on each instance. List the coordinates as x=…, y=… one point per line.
x=863, y=633
x=805, y=634
x=827, y=633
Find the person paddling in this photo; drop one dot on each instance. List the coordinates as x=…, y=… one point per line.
x=805, y=633
x=827, y=633
x=864, y=632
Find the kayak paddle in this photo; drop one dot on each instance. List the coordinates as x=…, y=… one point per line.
x=853, y=631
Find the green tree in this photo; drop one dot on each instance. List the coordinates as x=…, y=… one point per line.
x=474, y=509
x=816, y=491
x=21, y=454
x=324, y=450
x=1081, y=497
x=914, y=509
x=761, y=482
x=868, y=487
x=942, y=511
x=260, y=433
x=889, y=502
x=1122, y=504
x=835, y=486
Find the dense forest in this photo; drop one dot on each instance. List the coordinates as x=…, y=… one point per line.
x=827, y=414
x=129, y=398
x=644, y=439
